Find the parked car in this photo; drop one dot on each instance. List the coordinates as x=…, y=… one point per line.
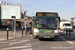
x=66, y=25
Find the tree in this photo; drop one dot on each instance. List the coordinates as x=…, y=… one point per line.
x=63, y=20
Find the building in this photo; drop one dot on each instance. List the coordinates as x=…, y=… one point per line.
x=22, y=20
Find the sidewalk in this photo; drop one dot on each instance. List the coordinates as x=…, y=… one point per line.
x=3, y=33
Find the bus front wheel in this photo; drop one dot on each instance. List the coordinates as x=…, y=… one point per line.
x=34, y=37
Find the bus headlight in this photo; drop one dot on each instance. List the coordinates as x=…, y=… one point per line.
x=36, y=31
x=56, y=31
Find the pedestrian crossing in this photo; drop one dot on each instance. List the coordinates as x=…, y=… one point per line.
x=21, y=44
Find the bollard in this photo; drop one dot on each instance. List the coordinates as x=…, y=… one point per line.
x=22, y=31
x=25, y=30
x=66, y=31
x=69, y=32
x=7, y=32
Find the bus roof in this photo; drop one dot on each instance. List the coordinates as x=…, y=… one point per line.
x=43, y=12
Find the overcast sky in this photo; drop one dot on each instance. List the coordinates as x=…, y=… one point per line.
x=65, y=8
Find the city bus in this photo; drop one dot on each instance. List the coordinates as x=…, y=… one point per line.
x=45, y=25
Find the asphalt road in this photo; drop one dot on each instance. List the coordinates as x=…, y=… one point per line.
x=28, y=43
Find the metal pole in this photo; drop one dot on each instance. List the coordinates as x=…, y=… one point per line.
x=69, y=32
x=15, y=27
x=12, y=24
x=7, y=32
x=66, y=31
x=25, y=26
x=22, y=31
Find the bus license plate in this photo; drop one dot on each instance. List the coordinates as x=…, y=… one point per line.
x=46, y=37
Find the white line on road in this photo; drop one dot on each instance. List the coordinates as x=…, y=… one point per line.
x=10, y=37
x=18, y=39
x=30, y=35
x=18, y=47
x=27, y=49
x=22, y=47
x=19, y=35
x=66, y=40
x=13, y=41
x=22, y=41
x=2, y=39
x=27, y=44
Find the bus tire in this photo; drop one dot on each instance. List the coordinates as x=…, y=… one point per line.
x=34, y=37
x=52, y=38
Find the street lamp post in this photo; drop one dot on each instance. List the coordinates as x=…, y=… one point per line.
x=14, y=25
x=25, y=20
x=25, y=23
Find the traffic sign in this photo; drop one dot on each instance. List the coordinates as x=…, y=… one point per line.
x=7, y=11
x=25, y=17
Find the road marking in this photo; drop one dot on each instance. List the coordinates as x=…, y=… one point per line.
x=66, y=40
x=18, y=47
x=30, y=35
x=10, y=37
x=29, y=42
x=22, y=41
x=27, y=49
x=26, y=45
x=13, y=40
x=19, y=35
x=2, y=39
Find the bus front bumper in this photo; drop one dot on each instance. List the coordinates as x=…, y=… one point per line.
x=48, y=35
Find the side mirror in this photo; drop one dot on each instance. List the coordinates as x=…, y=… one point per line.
x=59, y=19
x=58, y=24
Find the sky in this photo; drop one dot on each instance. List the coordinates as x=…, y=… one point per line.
x=65, y=8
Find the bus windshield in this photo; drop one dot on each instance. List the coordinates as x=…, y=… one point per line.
x=46, y=22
